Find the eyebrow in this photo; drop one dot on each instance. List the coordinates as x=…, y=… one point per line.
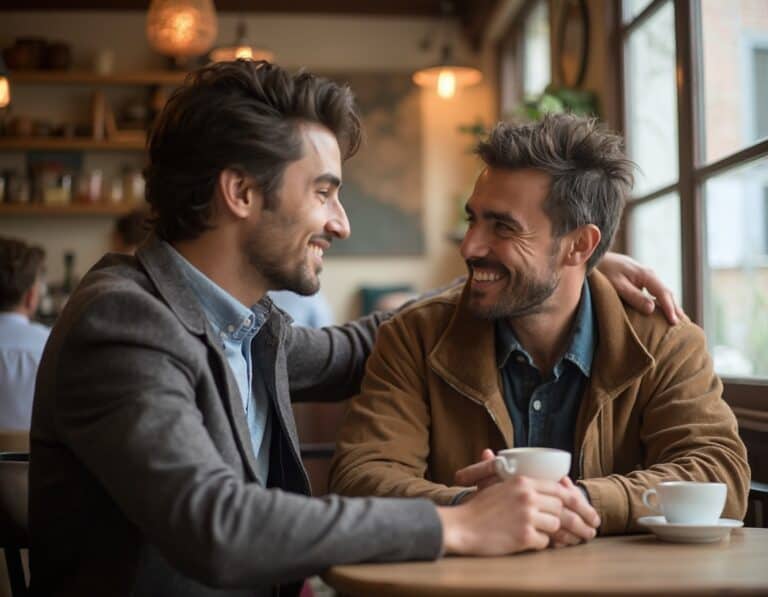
x=331, y=179
x=498, y=216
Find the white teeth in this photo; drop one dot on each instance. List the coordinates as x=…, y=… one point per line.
x=486, y=276
x=317, y=250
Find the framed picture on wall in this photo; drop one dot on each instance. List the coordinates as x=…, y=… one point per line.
x=382, y=190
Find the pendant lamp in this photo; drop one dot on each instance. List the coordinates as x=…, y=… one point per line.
x=241, y=48
x=448, y=75
x=181, y=28
x=5, y=87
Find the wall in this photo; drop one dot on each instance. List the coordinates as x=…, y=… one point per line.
x=322, y=43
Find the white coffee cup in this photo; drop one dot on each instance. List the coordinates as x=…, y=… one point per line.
x=539, y=463
x=687, y=502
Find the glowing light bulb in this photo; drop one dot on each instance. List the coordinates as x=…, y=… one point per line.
x=5, y=92
x=243, y=52
x=182, y=26
x=446, y=84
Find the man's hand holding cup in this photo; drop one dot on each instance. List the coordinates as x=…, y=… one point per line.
x=578, y=519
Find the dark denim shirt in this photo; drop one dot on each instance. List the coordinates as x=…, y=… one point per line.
x=544, y=411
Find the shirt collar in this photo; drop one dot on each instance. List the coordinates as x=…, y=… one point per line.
x=13, y=316
x=581, y=348
x=230, y=318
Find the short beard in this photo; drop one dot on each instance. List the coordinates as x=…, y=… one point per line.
x=523, y=295
x=273, y=269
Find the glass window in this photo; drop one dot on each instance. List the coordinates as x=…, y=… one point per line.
x=632, y=8
x=734, y=74
x=736, y=270
x=651, y=101
x=655, y=238
x=537, y=71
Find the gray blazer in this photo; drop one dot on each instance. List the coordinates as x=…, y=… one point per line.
x=142, y=474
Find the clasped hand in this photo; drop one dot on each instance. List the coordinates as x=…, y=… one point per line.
x=548, y=513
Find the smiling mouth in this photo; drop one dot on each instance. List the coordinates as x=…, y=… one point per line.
x=316, y=250
x=485, y=276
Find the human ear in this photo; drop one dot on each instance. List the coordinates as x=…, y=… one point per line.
x=581, y=244
x=237, y=193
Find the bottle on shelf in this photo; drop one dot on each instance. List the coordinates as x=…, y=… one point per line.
x=61, y=292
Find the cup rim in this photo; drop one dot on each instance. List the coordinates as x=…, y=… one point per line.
x=531, y=450
x=690, y=484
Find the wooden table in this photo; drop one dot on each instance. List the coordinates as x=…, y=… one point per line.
x=626, y=565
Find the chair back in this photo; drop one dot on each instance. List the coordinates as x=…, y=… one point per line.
x=14, y=489
x=14, y=440
x=14, y=527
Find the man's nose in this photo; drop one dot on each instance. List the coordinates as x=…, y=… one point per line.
x=473, y=246
x=338, y=223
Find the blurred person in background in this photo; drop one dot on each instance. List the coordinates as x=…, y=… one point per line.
x=312, y=311
x=21, y=340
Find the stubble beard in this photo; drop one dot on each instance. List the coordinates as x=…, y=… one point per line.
x=523, y=294
x=279, y=275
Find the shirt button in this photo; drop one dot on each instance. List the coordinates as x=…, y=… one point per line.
x=520, y=358
x=230, y=328
x=247, y=322
x=222, y=335
x=537, y=405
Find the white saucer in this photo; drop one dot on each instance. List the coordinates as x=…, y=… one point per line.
x=689, y=533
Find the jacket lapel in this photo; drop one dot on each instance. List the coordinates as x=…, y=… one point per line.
x=465, y=358
x=276, y=379
x=160, y=264
x=620, y=357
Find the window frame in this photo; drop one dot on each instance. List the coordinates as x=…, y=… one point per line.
x=747, y=397
x=514, y=62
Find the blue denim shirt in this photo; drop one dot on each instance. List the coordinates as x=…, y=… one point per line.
x=236, y=326
x=544, y=411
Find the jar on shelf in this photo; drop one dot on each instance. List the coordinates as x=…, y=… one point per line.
x=89, y=186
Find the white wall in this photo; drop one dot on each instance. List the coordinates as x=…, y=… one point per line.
x=321, y=43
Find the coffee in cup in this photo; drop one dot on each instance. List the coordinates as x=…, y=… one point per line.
x=687, y=502
x=538, y=463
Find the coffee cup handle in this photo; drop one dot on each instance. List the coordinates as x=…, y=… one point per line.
x=647, y=494
x=504, y=468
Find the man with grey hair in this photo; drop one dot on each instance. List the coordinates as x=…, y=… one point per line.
x=537, y=349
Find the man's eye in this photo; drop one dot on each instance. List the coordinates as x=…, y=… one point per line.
x=504, y=228
x=324, y=193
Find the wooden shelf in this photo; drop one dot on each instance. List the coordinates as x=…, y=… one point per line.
x=84, y=77
x=68, y=144
x=72, y=209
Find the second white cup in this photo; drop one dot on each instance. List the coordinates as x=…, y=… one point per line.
x=687, y=502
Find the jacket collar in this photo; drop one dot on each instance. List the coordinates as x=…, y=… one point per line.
x=464, y=356
x=157, y=258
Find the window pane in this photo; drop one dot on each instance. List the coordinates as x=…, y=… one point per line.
x=735, y=74
x=655, y=237
x=536, y=59
x=736, y=270
x=632, y=8
x=652, y=101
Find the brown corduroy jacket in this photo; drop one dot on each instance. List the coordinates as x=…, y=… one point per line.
x=432, y=400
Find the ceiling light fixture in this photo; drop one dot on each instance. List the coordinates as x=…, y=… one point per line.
x=181, y=28
x=241, y=48
x=448, y=75
x=5, y=86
